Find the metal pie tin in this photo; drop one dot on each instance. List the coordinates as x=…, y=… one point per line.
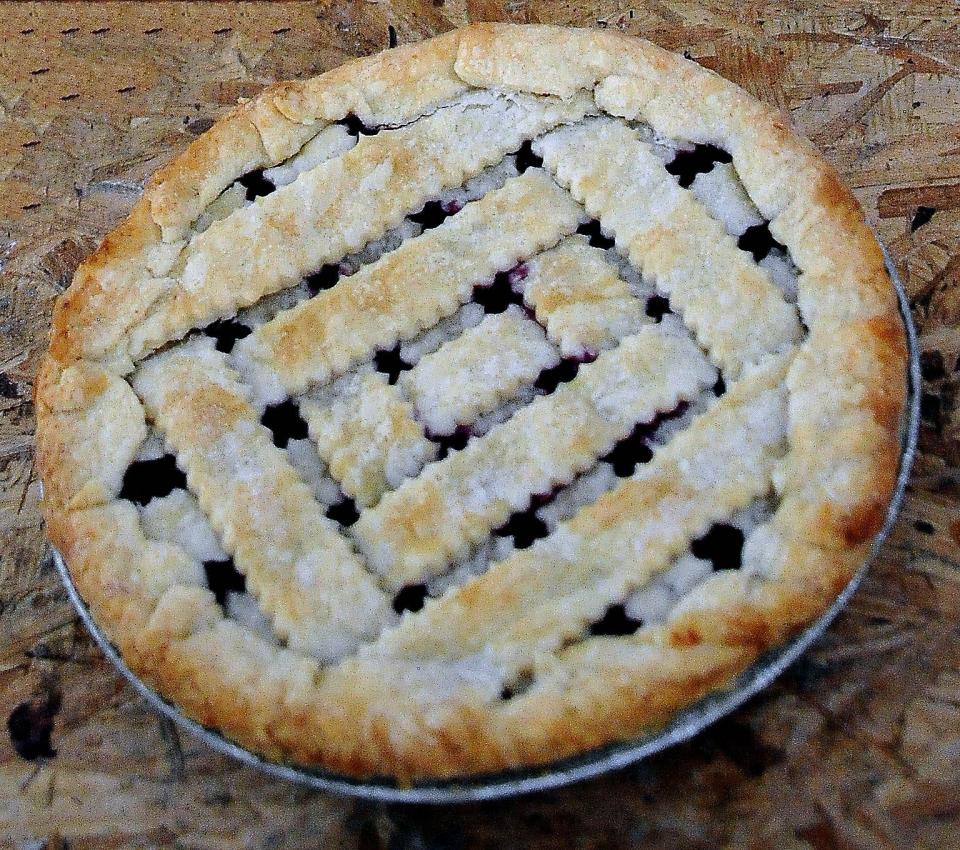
x=683, y=726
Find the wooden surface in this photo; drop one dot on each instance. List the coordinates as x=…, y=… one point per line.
x=857, y=746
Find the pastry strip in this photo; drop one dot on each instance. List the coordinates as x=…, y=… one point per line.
x=584, y=304
x=366, y=432
x=482, y=367
x=303, y=572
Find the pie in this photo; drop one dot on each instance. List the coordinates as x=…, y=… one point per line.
x=472, y=405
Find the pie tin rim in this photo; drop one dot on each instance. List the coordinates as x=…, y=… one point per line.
x=683, y=726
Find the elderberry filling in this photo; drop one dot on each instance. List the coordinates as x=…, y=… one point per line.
x=344, y=512
x=256, y=184
x=526, y=158
x=657, y=307
x=501, y=292
x=524, y=527
x=390, y=363
x=223, y=578
x=615, y=623
x=326, y=277
x=451, y=442
x=758, y=241
x=722, y=545
x=686, y=165
x=434, y=213
x=226, y=332
x=152, y=479
x=596, y=235
x=410, y=598
x=356, y=127
x=285, y=422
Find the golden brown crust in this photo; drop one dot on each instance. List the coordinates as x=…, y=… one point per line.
x=846, y=387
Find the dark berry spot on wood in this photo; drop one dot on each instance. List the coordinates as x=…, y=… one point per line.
x=593, y=230
x=657, y=307
x=720, y=387
x=451, y=442
x=686, y=165
x=326, y=278
x=564, y=372
x=524, y=527
x=222, y=578
x=226, y=332
x=497, y=295
x=630, y=451
x=615, y=623
x=526, y=158
x=722, y=545
x=931, y=408
x=924, y=527
x=285, y=421
x=356, y=127
x=758, y=241
x=390, y=363
x=931, y=366
x=921, y=217
x=344, y=512
x=256, y=184
x=410, y=598
x=30, y=726
x=8, y=388
x=738, y=742
x=152, y=479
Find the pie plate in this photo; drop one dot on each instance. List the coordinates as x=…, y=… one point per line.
x=435, y=426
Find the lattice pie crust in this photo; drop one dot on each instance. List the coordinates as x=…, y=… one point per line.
x=472, y=405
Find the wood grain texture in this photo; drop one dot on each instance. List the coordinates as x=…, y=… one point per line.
x=857, y=746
